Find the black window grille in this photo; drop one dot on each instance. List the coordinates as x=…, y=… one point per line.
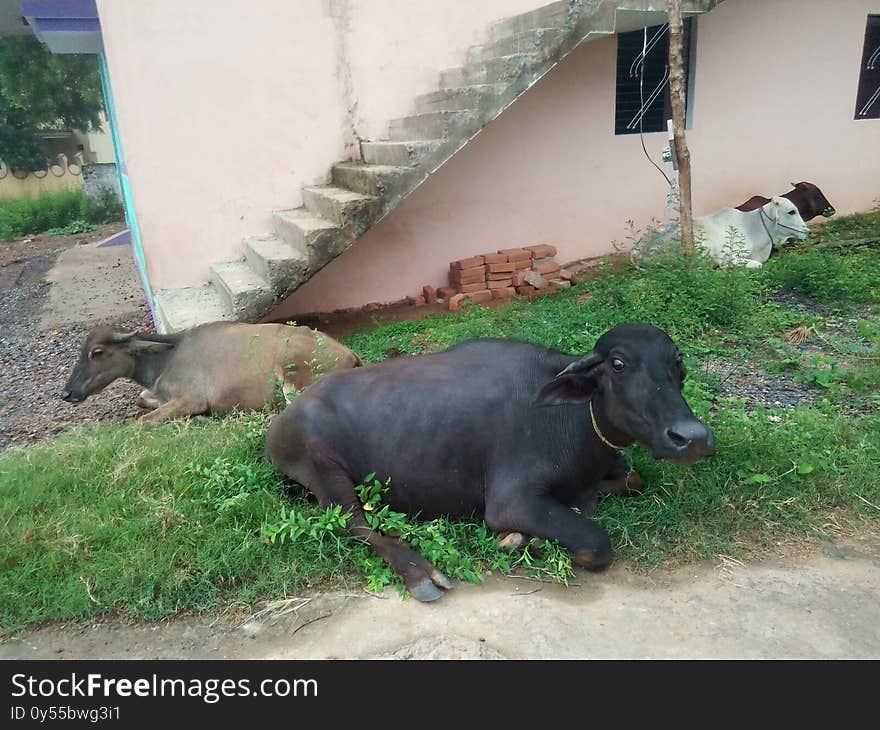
x=642, y=91
x=868, y=95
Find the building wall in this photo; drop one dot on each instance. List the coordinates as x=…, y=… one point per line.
x=97, y=145
x=773, y=101
x=31, y=186
x=227, y=109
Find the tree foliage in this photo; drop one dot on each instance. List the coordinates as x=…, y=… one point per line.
x=39, y=90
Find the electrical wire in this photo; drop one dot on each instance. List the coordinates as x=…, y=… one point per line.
x=642, y=102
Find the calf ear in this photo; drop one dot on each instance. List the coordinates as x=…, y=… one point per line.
x=148, y=347
x=566, y=390
x=575, y=384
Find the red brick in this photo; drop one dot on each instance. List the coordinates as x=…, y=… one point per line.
x=479, y=297
x=429, y=294
x=467, y=263
x=536, y=280
x=499, y=284
x=549, y=291
x=565, y=274
x=467, y=276
x=456, y=301
x=500, y=276
x=447, y=292
x=371, y=307
x=504, y=293
x=517, y=254
x=495, y=268
x=524, y=264
x=525, y=289
x=519, y=277
x=471, y=288
x=560, y=283
x=548, y=268
x=541, y=250
x=495, y=258
x=416, y=301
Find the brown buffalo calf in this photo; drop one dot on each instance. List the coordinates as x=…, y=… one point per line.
x=213, y=368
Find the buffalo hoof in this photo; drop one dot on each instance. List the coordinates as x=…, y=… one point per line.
x=512, y=541
x=430, y=589
x=629, y=485
x=595, y=559
x=634, y=484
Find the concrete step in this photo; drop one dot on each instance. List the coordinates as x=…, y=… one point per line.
x=278, y=263
x=403, y=154
x=495, y=70
x=430, y=125
x=182, y=309
x=540, y=40
x=388, y=182
x=338, y=205
x=243, y=293
x=554, y=15
x=310, y=234
x=459, y=98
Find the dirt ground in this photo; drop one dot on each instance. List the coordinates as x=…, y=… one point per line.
x=818, y=604
x=52, y=290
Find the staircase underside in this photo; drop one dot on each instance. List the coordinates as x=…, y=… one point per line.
x=519, y=52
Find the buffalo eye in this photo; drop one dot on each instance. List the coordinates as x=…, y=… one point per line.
x=618, y=365
x=96, y=353
x=792, y=212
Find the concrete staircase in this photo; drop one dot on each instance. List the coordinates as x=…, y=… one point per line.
x=520, y=51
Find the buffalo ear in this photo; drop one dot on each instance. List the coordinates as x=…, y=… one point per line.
x=566, y=390
x=148, y=347
x=575, y=384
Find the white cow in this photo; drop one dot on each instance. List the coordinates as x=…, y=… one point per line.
x=732, y=236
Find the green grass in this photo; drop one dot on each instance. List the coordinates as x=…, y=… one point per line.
x=65, y=211
x=189, y=517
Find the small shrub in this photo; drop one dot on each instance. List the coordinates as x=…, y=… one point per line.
x=826, y=276
x=77, y=226
x=61, y=212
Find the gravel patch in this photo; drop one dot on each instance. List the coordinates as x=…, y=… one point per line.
x=35, y=363
x=747, y=380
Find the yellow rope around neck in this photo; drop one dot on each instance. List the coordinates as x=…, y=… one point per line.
x=599, y=432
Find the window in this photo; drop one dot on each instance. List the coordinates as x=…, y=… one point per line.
x=642, y=92
x=868, y=96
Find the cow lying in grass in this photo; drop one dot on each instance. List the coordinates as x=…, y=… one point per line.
x=214, y=368
x=732, y=236
x=810, y=201
x=510, y=432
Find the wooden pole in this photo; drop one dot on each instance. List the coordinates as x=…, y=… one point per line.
x=677, y=83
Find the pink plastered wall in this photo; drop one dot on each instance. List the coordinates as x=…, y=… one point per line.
x=550, y=169
x=227, y=109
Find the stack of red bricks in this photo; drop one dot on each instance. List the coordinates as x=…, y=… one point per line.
x=529, y=271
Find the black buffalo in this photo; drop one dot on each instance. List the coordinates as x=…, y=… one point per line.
x=513, y=433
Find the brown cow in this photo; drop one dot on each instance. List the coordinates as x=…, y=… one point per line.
x=807, y=197
x=212, y=368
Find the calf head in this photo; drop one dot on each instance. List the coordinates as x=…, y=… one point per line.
x=634, y=376
x=785, y=215
x=106, y=356
x=810, y=201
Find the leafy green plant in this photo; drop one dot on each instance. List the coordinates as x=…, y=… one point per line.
x=60, y=212
x=77, y=226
